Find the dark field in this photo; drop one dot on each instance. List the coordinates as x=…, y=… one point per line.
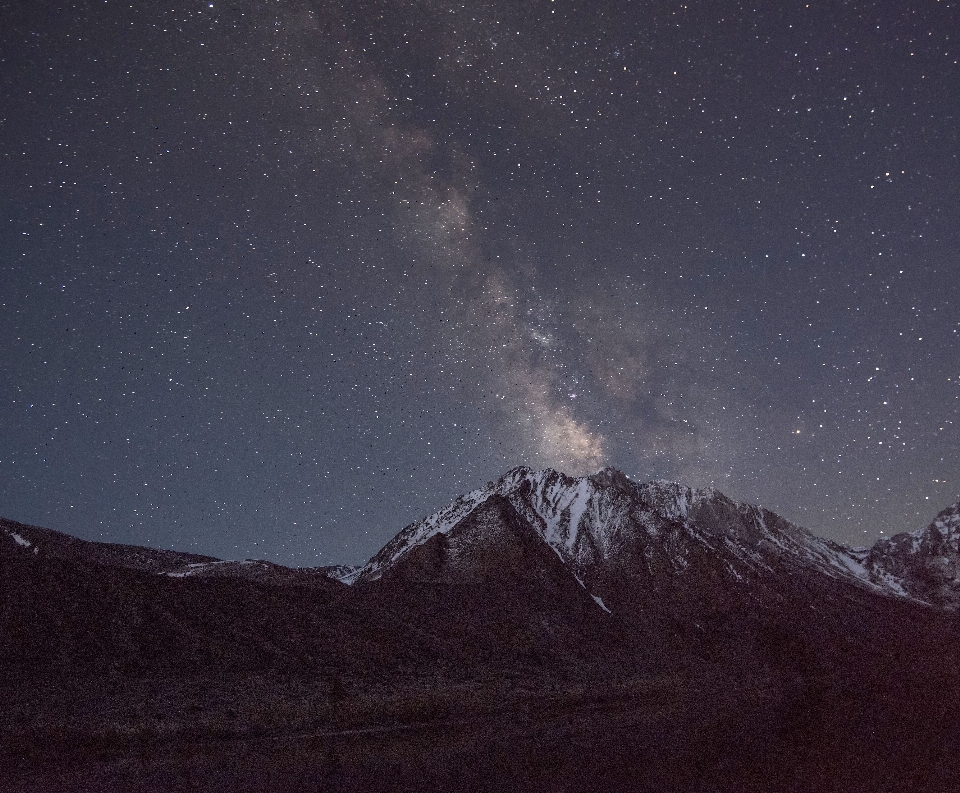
x=659, y=734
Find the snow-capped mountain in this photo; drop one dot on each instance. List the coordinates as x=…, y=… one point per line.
x=600, y=527
x=606, y=523
x=655, y=624
x=924, y=564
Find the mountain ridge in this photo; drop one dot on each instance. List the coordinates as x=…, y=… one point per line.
x=583, y=520
x=542, y=632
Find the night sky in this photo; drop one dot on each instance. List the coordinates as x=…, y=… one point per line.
x=278, y=278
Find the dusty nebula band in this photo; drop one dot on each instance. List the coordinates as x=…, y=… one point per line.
x=279, y=278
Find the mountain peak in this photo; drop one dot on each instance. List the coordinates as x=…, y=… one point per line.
x=925, y=563
x=612, y=477
x=948, y=521
x=607, y=521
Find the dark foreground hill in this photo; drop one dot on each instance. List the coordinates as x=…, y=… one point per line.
x=541, y=633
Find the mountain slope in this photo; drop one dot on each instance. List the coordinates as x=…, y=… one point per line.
x=602, y=523
x=19, y=538
x=70, y=608
x=923, y=564
x=543, y=632
x=493, y=595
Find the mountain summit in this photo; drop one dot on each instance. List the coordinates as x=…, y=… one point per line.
x=606, y=524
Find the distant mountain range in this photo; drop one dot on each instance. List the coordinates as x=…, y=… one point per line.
x=541, y=632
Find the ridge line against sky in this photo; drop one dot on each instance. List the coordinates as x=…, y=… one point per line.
x=278, y=280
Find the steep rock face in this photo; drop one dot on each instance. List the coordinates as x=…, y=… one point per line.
x=925, y=564
x=491, y=592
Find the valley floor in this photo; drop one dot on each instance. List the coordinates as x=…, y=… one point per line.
x=665, y=733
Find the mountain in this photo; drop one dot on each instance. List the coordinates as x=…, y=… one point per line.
x=72, y=610
x=542, y=632
x=924, y=565
x=605, y=524
x=56, y=545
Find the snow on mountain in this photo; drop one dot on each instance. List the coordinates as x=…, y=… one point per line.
x=19, y=540
x=346, y=573
x=23, y=542
x=604, y=520
x=219, y=567
x=601, y=525
x=259, y=570
x=440, y=522
x=925, y=563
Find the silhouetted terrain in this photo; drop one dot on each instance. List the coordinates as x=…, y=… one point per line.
x=540, y=633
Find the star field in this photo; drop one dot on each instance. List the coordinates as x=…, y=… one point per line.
x=277, y=279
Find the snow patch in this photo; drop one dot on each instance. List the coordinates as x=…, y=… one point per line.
x=599, y=602
x=558, y=502
x=344, y=573
x=350, y=578
x=596, y=599
x=578, y=506
x=733, y=572
x=198, y=567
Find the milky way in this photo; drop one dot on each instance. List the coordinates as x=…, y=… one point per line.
x=279, y=279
